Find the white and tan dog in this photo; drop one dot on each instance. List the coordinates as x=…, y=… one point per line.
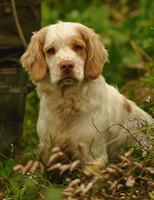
x=65, y=62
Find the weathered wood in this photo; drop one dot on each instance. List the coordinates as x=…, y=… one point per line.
x=13, y=89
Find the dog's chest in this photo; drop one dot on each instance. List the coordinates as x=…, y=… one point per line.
x=69, y=108
x=67, y=119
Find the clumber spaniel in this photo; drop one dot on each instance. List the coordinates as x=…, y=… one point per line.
x=79, y=111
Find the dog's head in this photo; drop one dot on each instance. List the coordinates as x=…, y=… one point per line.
x=69, y=52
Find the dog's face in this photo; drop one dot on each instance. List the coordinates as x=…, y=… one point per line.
x=69, y=52
x=65, y=54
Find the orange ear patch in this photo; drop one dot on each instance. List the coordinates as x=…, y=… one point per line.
x=38, y=70
x=96, y=53
x=33, y=59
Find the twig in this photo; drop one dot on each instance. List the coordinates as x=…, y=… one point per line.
x=90, y=149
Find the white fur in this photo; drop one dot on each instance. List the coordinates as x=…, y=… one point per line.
x=77, y=117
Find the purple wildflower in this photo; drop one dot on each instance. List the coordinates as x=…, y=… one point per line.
x=145, y=147
x=134, y=133
x=132, y=125
x=140, y=138
x=148, y=99
x=145, y=142
x=150, y=136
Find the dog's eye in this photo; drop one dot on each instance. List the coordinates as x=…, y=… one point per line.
x=78, y=48
x=51, y=51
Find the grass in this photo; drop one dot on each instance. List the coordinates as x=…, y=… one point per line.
x=130, y=177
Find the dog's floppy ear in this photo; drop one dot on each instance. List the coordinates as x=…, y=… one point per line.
x=33, y=59
x=96, y=53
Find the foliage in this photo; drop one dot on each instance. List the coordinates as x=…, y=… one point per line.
x=124, y=180
x=126, y=29
x=6, y=170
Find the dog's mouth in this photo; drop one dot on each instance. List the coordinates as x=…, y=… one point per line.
x=67, y=81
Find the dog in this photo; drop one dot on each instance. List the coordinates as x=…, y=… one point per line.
x=79, y=112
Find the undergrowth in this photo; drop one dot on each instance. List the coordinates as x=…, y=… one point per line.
x=127, y=177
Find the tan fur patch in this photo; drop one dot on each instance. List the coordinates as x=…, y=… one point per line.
x=127, y=106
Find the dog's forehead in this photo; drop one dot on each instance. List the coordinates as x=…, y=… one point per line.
x=61, y=32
